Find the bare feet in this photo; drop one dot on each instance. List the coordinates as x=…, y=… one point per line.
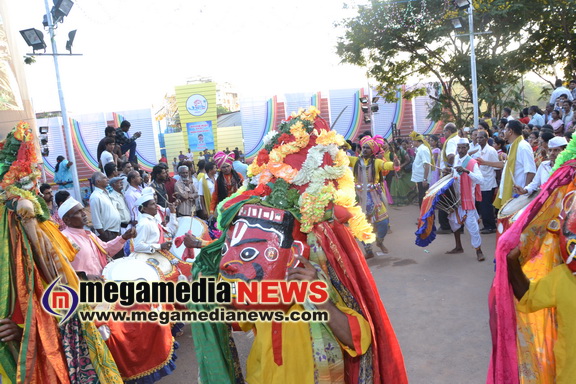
x=455, y=251
x=479, y=255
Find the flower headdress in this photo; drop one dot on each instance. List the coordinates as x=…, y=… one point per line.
x=18, y=167
x=302, y=169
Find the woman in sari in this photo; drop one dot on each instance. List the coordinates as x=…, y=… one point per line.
x=401, y=188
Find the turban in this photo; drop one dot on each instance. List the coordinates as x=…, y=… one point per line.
x=415, y=136
x=67, y=206
x=147, y=195
x=371, y=142
x=222, y=158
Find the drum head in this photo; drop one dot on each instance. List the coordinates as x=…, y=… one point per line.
x=516, y=204
x=156, y=259
x=437, y=186
x=185, y=224
x=130, y=269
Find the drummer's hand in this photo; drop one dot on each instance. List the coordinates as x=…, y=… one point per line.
x=460, y=169
x=446, y=171
x=129, y=234
x=166, y=246
x=172, y=207
x=519, y=190
x=191, y=241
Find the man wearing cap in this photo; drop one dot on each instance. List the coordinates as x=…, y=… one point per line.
x=105, y=217
x=489, y=184
x=133, y=192
x=368, y=172
x=151, y=233
x=555, y=146
x=228, y=180
x=185, y=192
x=421, y=165
x=468, y=178
x=93, y=253
x=447, y=156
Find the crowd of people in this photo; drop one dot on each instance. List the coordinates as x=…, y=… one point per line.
x=131, y=212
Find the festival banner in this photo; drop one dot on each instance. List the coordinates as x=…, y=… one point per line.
x=196, y=104
x=200, y=136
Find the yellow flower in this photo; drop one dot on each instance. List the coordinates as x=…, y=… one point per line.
x=255, y=169
x=341, y=159
x=360, y=227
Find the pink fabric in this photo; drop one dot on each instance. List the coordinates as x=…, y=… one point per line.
x=372, y=143
x=89, y=258
x=469, y=201
x=503, y=368
x=221, y=158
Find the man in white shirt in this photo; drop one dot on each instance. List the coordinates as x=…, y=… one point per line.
x=190, y=156
x=474, y=146
x=107, y=156
x=567, y=113
x=507, y=114
x=555, y=146
x=421, y=165
x=488, y=185
x=119, y=202
x=559, y=91
x=105, y=216
x=152, y=234
x=133, y=192
x=468, y=177
x=239, y=166
x=446, y=160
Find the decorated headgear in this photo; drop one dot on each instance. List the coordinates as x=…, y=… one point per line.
x=415, y=136
x=67, y=206
x=221, y=158
x=372, y=143
x=147, y=195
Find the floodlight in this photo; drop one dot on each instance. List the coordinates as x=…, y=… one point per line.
x=462, y=4
x=43, y=130
x=367, y=119
x=364, y=108
x=61, y=9
x=374, y=107
x=457, y=22
x=34, y=38
x=363, y=100
x=375, y=99
x=71, y=36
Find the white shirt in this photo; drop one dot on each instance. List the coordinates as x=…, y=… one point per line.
x=474, y=147
x=524, y=164
x=105, y=158
x=105, y=216
x=488, y=153
x=542, y=176
x=475, y=174
x=148, y=232
x=120, y=204
x=537, y=120
x=190, y=156
x=559, y=92
x=451, y=149
x=241, y=168
x=210, y=183
x=422, y=158
x=567, y=117
x=131, y=195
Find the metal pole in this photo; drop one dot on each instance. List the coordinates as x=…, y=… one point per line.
x=67, y=130
x=473, y=64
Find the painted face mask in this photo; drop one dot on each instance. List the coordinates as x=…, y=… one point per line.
x=565, y=226
x=261, y=244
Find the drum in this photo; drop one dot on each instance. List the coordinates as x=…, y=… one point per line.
x=157, y=260
x=511, y=211
x=444, y=190
x=130, y=269
x=196, y=226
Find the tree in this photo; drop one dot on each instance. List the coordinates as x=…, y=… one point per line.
x=402, y=41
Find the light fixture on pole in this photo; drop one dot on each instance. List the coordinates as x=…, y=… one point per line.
x=457, y=23
x=60, y=10
x=71, y=36
x=34, y=38
x=462, y=4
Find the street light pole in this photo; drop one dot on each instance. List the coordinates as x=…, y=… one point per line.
x=473, y=64
x=67, y=130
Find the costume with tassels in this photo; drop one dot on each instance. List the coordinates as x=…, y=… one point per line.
x=300, y=201
x=34, y=253
x=527, y=347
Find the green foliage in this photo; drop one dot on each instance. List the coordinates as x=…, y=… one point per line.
x=400, y=42
x=220, y=110
x=284, y=197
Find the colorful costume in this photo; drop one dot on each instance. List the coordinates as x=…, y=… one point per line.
x=524, y=344
x=298, y=181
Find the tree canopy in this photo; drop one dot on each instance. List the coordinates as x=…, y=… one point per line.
x=405, y=40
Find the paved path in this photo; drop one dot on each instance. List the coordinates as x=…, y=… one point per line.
x=437, y=304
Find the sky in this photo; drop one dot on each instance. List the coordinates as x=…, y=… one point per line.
x=136, y=51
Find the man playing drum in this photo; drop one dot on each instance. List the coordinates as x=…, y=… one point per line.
x=467, y=183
